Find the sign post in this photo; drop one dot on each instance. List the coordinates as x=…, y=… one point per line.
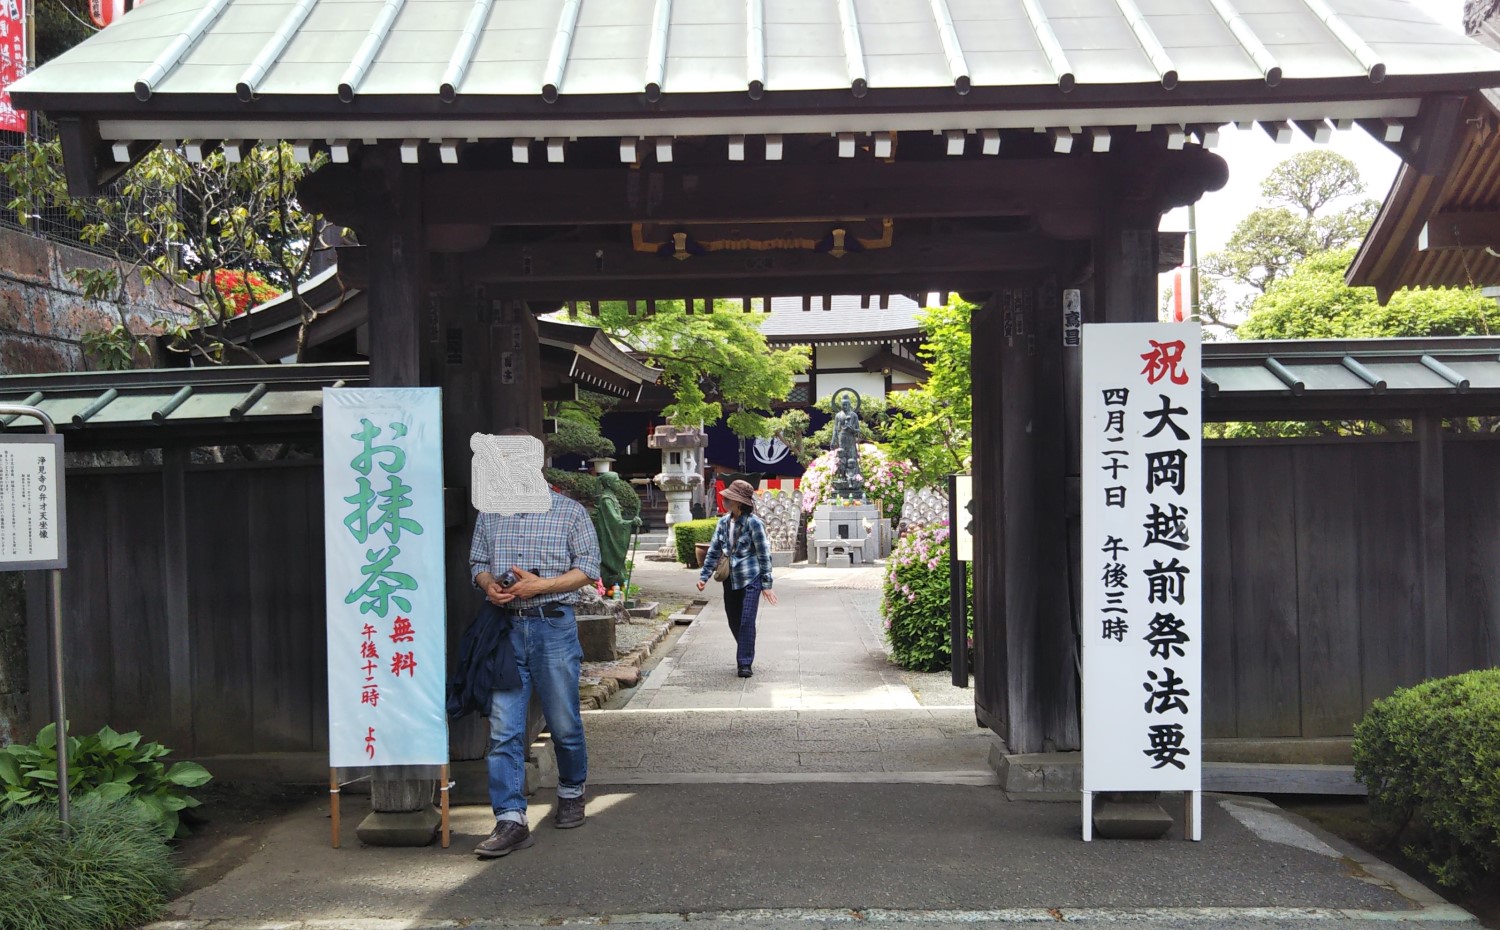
x=33, y=535
x=386, y=602
x=960, y=554
x=1142, y=578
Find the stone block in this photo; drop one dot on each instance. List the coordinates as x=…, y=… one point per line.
x=647, y=610
x=408, y=828
x=597, y=636
x=1131, y=818
x=627, y=677
x=1041, y=776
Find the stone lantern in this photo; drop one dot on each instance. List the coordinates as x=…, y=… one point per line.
x=681, y=467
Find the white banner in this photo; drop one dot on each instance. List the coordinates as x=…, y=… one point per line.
x=1142, y=578
x=963, y=508
x=383, y=529
x=32, y=515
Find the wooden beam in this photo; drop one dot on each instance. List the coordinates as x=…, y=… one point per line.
x=1440, y=120
x=603, y=260
x=1460, y=229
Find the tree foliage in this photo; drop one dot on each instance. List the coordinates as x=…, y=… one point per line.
x=931, y=426
x=1313, y=302
x=717, y=365
x=192, y=226
x=1311, y=203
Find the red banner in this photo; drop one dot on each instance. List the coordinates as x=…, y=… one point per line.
x=12, y=61
x=104, y=12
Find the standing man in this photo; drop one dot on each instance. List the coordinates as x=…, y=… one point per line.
x=529, y=565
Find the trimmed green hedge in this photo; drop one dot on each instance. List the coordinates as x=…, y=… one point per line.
x=111, y=871
x=689, y=533
x=1430, y=756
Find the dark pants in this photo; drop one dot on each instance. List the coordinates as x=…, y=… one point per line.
x=741, y=607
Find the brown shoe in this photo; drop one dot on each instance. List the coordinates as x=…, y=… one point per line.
x=569, y=813
x=507, y=837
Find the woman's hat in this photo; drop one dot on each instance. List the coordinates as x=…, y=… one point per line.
x=740, y=492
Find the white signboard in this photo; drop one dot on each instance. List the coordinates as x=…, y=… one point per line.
x=1142, y=577
x=963, y=509
x=32, y=524
x=383, y=531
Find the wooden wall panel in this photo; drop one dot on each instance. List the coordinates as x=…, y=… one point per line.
x=289, y=649
x=1473, y=508
x=1328, y=615
x=1262, y=534
x=88, y=640
x=1218, y=598
x=137, y=627
x=1390, y=592
x=222, y=617
x=990, y=698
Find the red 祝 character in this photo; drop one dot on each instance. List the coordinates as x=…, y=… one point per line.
x=1162, y=361
x=402, y=631
x=404, y=662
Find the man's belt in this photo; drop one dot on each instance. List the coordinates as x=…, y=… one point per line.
x=542, y=611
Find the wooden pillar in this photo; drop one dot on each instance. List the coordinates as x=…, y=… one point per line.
x=1125, y=255
x=516, y=379
x=175, y=602
x=1026, y=685
x=1432, y=547
x=392, y=232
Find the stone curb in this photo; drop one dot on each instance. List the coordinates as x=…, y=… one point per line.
x=811, y=916
x=593, y=693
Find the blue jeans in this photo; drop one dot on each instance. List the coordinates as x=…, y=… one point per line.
x=548, y=656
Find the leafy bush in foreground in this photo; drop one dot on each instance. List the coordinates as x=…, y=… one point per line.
x=916, y=600
x=110, y=870
x=1430, y=756
x=107, y=766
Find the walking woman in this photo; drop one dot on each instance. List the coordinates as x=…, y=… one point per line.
x=740, y=556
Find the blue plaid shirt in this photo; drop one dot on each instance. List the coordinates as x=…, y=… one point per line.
x=750, y=562
x=548, y=544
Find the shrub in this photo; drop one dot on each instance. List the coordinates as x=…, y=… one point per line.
x=1430, y=756
x=689, y=533
x=916, y=600
x=105, y=766
x=885, y=479
x=586, y=488
x=575, y=437
x=112, y=868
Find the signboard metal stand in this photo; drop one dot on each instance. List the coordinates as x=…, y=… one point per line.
x=55, y=565
x=960, y=553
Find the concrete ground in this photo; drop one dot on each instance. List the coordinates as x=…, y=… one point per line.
x=817, y=794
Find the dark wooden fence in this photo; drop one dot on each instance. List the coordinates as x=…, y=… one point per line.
x=194, y=596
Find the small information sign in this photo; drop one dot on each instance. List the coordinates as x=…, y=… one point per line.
x=963, y=509
x=33, y=524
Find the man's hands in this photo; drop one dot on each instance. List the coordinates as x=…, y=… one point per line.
x=528, y=585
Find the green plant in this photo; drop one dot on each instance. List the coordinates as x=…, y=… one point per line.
x=105, y=766
x=577, y=437
x=916, y=600
x=110, y=869
x=1430, y=756
x=687, y=534
x=585, y=488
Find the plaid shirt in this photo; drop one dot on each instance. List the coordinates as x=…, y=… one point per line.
x=751, y=560
x=548, y=544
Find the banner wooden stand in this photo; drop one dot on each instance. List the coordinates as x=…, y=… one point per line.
x=335, y=795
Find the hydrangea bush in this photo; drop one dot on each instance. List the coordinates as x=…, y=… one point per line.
x=916, y=601
x=885, y=479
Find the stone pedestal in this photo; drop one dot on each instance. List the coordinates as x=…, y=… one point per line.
x=844, y=533
x=596, y=633
x=403, y=813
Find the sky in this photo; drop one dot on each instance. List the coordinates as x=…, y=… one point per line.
x=1251, y=155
